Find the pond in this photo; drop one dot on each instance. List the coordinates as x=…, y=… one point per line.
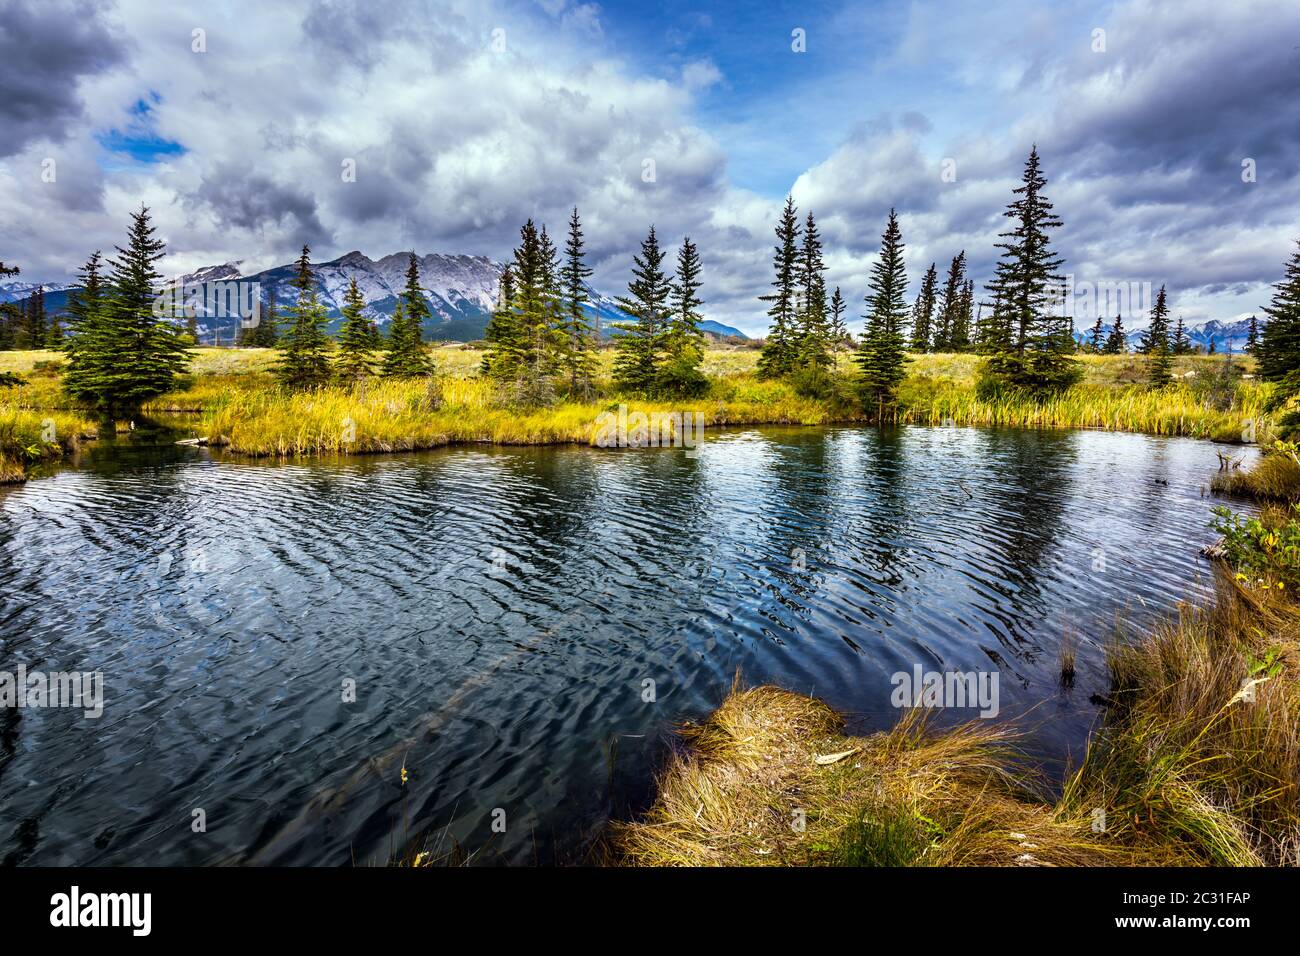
x=323, y=663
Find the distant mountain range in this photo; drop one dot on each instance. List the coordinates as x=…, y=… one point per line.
x=460, y=290
x=1226, y=336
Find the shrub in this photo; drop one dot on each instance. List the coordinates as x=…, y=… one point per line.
x=1265, y=549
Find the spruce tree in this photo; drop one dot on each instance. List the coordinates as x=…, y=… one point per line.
x=1278, y=352
x=960, y=337
x=777, y=358
x=406, y=356
x=636, y=364
x=1252, y=336
x=130, y=352
x=36, y=319
x=304, y=346
x=1181, y=345
x=839, y=332
x=1116, y=342
x=950, y=304
x=1095, y=337
x=356, y=358
x=1155, y=342
x=812, y=334
x=523, y=350
x=501, y=357
x=882, y=354
x=577, y=339
x=683, y=341
x=1028, y=282
x=1156, y=336
x=923, y=312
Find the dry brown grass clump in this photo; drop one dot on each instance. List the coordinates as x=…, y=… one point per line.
x=1275, y=477
x=1200, y=750
x=770, y=779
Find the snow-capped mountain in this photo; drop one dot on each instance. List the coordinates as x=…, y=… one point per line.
x=1226, y=336
x=461, y=292
x=15, y=291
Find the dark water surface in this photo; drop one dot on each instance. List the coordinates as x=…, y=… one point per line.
x=501, y=610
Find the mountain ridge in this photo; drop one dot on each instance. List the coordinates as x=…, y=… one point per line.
x=460, y=289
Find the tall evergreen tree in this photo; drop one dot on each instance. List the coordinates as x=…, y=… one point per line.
x=523, y=350
x=1155, y=342
x=578, y=339
x=950, y=304
x=304, y=345
x=1278, y=352
x=1252, y=336
x=130, y=352
x=960, y=337
x=1181, y=344
x=839, y=331
x=812, y=333
x=1156, y=336
x=36, y=319
x=406, y=355
x=1116, y=342
x=1027, y=280
x=501, y=357
x=683, y=341
x=86, y=319
x=636, y=364
x=1095, y=340
x=356, y=358
x=777, y=358
x=882, y=355
x=923, y=310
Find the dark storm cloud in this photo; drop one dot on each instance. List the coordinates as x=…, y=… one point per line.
x=244, y=200
x=45, y=50
x=358, y=30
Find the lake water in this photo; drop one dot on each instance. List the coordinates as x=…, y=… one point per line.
x=502, y=613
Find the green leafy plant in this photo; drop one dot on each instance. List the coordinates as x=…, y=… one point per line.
x=1264, y=549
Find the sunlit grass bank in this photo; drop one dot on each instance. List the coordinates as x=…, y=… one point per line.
x=1196, y=762
x=29, y=437
x=770, y=779
x=1275, y=477
x=241, y=407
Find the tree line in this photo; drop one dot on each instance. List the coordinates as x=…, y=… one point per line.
x=541, y=341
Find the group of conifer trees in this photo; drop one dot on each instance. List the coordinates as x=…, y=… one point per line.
x=540, y=339
x=943, y=319
x=25, y=324
x=121, y=351
x=307, y=360
x=1026, y=343
x=539, y=336
x=1115, y=342
x=806, y=329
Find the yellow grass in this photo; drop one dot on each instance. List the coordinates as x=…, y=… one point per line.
x=241, y=406
x=1196, y=762
x=749, y=790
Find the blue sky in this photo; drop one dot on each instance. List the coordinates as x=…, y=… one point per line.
x=457, y=138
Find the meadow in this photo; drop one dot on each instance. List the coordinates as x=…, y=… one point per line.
x=238, y=405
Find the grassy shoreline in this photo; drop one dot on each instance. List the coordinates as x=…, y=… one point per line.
x=1195, y=760
x=1181, y=772
x=242, y=410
